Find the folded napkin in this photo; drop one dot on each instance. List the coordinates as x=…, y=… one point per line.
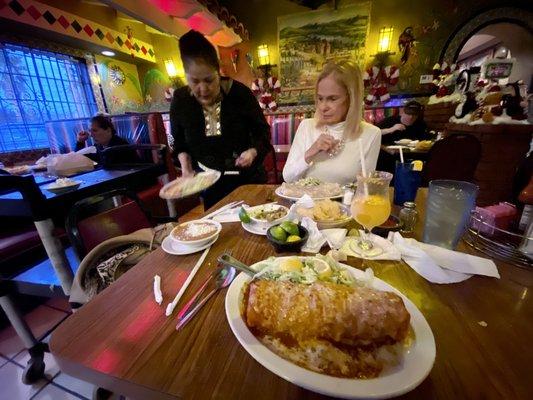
x=335, y=237
x=316, y=239
x=439, y=265
x=231, y=215
x=390, y=252
x=305, y=201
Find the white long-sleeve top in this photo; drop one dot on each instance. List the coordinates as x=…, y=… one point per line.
x=343, y=167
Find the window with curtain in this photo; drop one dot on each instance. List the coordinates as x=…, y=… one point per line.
x=38, y=86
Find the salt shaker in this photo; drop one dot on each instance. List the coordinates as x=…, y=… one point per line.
x=348, y=197
x=408, y=216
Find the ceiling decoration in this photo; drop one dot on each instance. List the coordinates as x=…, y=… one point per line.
x=208, y=17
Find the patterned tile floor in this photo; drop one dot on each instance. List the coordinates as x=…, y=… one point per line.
x=13, y=357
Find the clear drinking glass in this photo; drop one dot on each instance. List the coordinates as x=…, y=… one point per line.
x=371, y=207
x=449, y=205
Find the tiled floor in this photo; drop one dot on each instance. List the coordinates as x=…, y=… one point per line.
x=56, y=385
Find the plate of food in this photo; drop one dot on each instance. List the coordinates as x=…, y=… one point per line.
x=195, y=233
x=62, y=185
x=183, y=187
x=18, y=170
x=258, y=219
x=330, y=328
x=406, y=142
x=315, y=188
x=424, y=145
x=326, y=213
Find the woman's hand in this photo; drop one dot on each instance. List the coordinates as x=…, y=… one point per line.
x=394, y=128
x=323, y=143
x=82, y=136
x=246, y=158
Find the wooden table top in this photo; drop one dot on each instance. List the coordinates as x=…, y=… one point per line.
x=122, y=341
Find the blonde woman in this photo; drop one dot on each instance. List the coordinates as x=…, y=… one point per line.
x=326, y=146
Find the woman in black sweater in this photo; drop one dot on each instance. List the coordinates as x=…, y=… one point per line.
x=216, y=122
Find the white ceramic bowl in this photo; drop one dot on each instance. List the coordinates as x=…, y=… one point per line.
x=267, y=207
x=197, y=242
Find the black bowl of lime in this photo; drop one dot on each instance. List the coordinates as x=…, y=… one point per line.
x=287, y=237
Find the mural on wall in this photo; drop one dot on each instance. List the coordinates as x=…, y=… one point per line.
x=420, y=43
x=120, y=84
x=309, y=40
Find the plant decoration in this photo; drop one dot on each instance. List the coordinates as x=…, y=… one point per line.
x=266, y=91
x=378, y=81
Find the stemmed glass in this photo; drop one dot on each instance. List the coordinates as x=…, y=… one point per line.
x=371, y=207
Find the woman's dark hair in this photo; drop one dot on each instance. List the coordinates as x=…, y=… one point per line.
x=104, y=122
x=195, y=47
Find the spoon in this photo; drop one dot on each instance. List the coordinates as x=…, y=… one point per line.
x=229, y=261
x=223, y=279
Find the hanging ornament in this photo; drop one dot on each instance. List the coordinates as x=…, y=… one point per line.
x=378, y=82
x=266, y=92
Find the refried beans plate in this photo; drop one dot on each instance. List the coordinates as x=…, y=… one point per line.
x=415, y=366
x=172, y=247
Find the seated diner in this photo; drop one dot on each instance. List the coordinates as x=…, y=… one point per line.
x=332, y=202
x=104, y=136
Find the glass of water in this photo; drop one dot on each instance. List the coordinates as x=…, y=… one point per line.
x=448, y=209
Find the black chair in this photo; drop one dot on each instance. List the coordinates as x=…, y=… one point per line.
x=95, y=219
x=134, y=155
x=455, y=157
x=34, y=370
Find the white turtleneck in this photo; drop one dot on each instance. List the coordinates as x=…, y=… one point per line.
x=342, y=168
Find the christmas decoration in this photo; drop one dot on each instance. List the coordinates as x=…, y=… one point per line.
x=266, y=92
x=406, y=42
x=378, y=81
x=444, y=78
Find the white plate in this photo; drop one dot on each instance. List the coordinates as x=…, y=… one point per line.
x=416, y=366
x=60, y=189
x=403, y=142
x=171, y=247
x=185, y=187
x=252, y=227
x=293, y=198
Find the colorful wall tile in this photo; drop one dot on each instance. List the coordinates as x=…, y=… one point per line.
x=43, y=16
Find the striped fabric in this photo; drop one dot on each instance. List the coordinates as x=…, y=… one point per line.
x=283, y=126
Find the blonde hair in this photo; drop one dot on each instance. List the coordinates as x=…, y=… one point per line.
x=348, y=75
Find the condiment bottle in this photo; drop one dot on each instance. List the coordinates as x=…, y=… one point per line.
x=408, y=216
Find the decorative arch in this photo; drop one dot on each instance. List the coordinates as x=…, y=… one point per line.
x=460, y=36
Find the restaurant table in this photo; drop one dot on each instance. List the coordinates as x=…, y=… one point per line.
x=93, y=182
x=122, y=341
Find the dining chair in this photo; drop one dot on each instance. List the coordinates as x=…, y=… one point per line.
x=95, y=219
x=455, y=157
x=271, y=167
